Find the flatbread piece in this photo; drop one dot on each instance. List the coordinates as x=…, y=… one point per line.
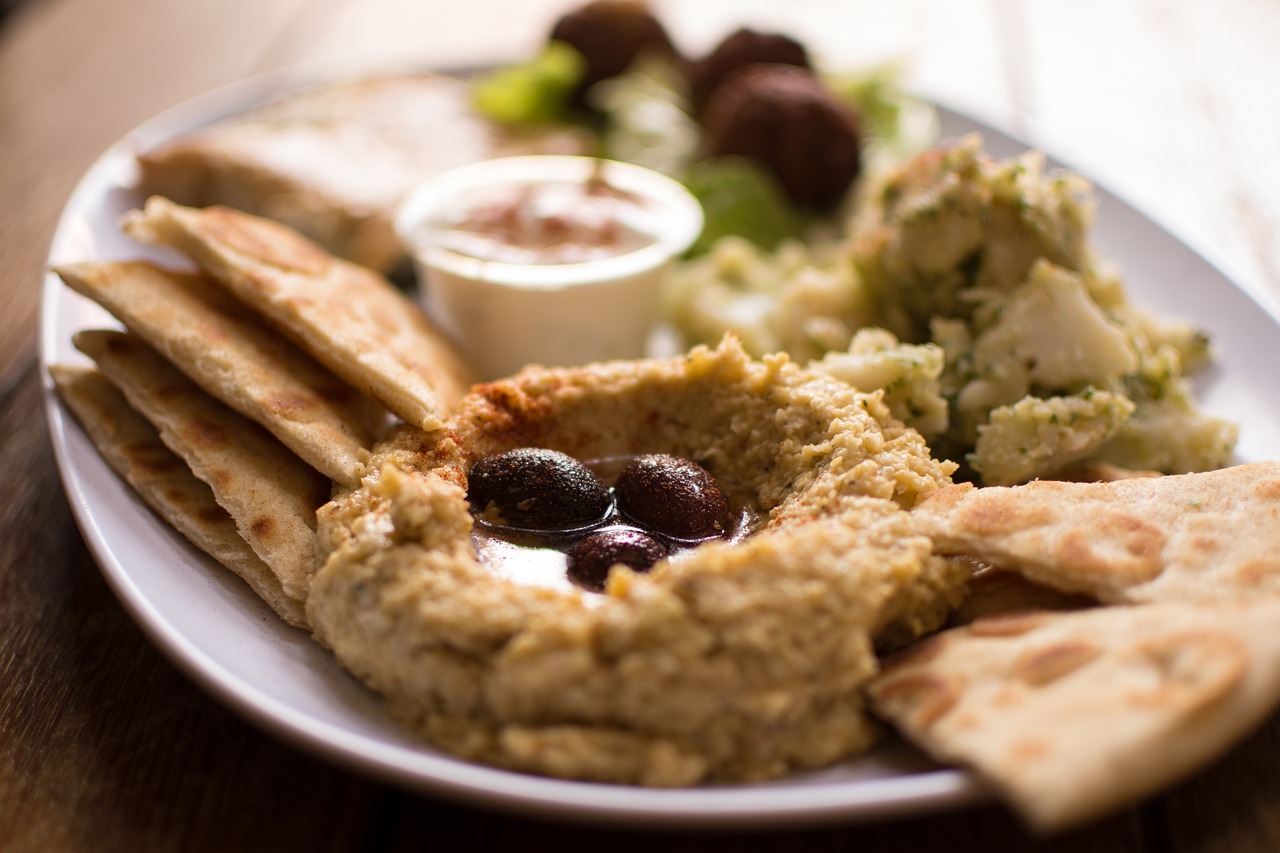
x=995, y=592
x=334, y=160
x=133, y=449
x=1187, y=537
x=1074, y=714
x=272, y=494
x=349, y=318
x=229, y=353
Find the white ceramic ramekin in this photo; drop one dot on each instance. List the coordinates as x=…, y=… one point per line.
x=508, y=315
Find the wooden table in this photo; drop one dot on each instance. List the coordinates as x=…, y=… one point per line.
x=106, y=746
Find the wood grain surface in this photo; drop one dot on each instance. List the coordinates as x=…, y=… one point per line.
x=105, y=745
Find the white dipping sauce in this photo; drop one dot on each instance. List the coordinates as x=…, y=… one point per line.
x=547, y=259
x=549, y=224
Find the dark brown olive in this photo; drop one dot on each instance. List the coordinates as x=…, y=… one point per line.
x=537, y=489
x=673, y=497
x=591, y=557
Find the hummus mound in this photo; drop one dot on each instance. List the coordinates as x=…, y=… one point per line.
x=735, y=661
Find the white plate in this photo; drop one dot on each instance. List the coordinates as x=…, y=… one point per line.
x=211, y=626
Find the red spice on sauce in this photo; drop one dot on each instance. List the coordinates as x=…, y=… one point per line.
x=552, y=223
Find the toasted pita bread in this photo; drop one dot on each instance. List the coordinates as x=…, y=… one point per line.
x=271, y=494
x=334, y=160
x=1074, y=714
x=132, y=447
x=1096, y=471
x=222, y=347
x=1189, y=537
x=995, y=592
x=348, y=317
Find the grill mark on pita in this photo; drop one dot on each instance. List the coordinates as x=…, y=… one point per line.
x=989, y=518
x=1204, y=542
x=211, y=514
x=1046, y=665
x=1007, y=624
x=291, y=404
x=150, y=459
x=960, y=719
x=926, y=697
x=1118, y=545
x=273, y=244
x=213, y=332
x=1196, y=668
x=1030, y=749
x=1262, y=573
x=1267, y=490
x=181, y=500
x=205, y=434
x=263, y=527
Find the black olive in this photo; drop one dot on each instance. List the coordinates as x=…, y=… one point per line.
x=674, y=497
x=591, y=557
x=537, y=489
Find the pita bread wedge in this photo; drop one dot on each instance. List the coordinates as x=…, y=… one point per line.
x=995, y=591
x=1188, y=537
x=271, y=493
x=1096, y=471
x=229, y=353
x=132, y=447
x=334, y=160
x=1074, y=714
x=348, y=317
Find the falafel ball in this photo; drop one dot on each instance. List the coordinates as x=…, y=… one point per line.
x=735, y=52
x=785, y=119
x=610, y=34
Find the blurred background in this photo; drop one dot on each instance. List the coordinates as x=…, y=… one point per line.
x=1171, y=103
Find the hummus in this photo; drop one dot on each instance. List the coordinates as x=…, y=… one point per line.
x=737, y=661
